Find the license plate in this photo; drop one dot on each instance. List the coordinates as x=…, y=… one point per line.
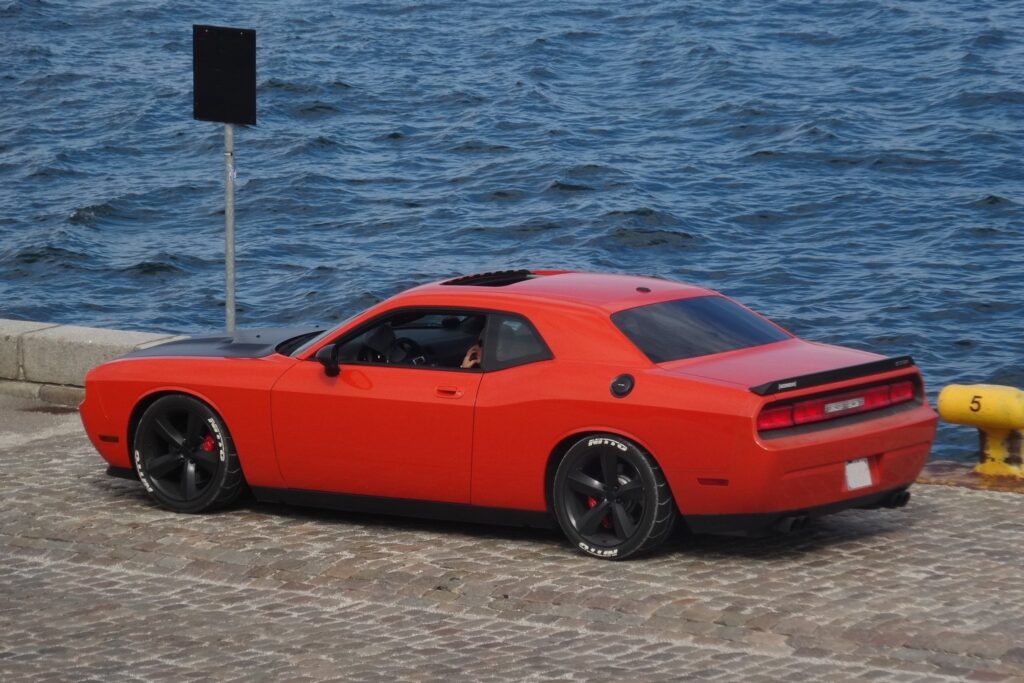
x=858, y=474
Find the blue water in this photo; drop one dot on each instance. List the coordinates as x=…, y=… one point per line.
x=851, y=169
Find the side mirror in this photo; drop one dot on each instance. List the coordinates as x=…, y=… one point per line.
x=328, y=357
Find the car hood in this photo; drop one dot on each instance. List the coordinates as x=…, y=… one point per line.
x=243, y=344
x=763, y=364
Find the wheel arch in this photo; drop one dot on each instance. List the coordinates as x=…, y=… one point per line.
x=146, y=400
x=563, y=446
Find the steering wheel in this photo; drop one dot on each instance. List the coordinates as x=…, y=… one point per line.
x=410, y=351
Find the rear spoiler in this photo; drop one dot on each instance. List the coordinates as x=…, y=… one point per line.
x=837, y=375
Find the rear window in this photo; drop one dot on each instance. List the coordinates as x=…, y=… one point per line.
x=698, y=326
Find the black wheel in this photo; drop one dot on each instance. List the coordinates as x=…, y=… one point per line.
x=611, y=499
x=184, y=456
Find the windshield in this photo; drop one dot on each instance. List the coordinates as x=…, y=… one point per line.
x=698, y=326
x=306, y=343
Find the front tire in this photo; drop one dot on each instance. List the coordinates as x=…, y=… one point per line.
x=184, y=456
x=611, y=498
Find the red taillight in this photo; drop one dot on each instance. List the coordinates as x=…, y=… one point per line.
x=809, y=411
x=901, y=392
x=837, y=405
x=775, y=418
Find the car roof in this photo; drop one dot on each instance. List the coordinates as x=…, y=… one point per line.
x=607, y=291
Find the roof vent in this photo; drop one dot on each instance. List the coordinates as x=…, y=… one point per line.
x=497, y=278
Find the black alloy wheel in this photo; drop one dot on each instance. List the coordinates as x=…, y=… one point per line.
x=184, y=455
x=611, y=499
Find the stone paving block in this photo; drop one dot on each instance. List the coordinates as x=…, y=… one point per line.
x=64, y=354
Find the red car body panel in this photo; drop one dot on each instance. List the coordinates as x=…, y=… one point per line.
x=237, y=389
x=488, y=438
x=376, y=430
x=746, y=368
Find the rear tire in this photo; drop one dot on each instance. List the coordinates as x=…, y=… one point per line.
x=184, y=456
x=611, y=498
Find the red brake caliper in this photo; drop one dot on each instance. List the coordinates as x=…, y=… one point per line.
x=207, y=444
x=592, y=503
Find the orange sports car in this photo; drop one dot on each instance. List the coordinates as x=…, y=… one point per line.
x=613, y=406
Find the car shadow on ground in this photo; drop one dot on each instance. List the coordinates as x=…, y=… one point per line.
x=820, y=533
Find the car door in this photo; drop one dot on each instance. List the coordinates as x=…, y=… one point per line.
x=391, y=423
x=520, y=413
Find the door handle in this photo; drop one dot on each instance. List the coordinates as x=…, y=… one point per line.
x=448, y=392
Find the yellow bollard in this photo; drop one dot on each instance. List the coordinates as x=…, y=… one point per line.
x=998, y=413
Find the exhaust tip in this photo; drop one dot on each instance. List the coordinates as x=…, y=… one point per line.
x=898, y=499
x=789, y=524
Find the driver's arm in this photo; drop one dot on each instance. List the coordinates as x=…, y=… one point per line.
x=472, y=357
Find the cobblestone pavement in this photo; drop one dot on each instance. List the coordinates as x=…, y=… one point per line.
x=98, y=584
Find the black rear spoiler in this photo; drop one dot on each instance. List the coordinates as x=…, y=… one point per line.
x=829, y=376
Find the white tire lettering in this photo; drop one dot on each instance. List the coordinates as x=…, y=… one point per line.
x=138, y=470
x=611, y=552
x=215, y=430
x=602, y=441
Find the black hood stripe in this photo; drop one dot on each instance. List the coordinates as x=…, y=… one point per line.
x=244, y=344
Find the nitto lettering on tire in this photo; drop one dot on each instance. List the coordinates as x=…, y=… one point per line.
x=597, y=551
x=220, y=439
x=601, y=441
x=138, y=470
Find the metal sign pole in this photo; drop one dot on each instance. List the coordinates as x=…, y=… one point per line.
x=224, y=90
x=229, y=227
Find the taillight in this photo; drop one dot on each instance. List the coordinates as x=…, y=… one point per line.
x=837, y=405
x=775, y=418
x=901, y=392
x=809, y=411
x=876, y=397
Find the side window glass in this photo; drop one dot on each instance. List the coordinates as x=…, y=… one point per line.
x=419, y=338
x=511, y=340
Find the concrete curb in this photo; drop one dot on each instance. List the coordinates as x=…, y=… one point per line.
x=48, y=362
x=48, y=393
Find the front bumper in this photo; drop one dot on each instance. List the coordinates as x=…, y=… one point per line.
x=106, y=438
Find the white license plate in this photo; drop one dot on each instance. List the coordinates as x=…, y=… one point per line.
x=858, y=474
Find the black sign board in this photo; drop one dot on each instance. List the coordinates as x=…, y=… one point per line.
x=224, y=74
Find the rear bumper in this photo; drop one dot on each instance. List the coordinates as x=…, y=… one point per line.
x=759, y=523
x=808, y=470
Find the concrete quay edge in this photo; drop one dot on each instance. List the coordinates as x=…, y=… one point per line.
x=49, y=362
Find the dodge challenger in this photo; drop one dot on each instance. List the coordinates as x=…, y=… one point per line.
x=613, y=407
